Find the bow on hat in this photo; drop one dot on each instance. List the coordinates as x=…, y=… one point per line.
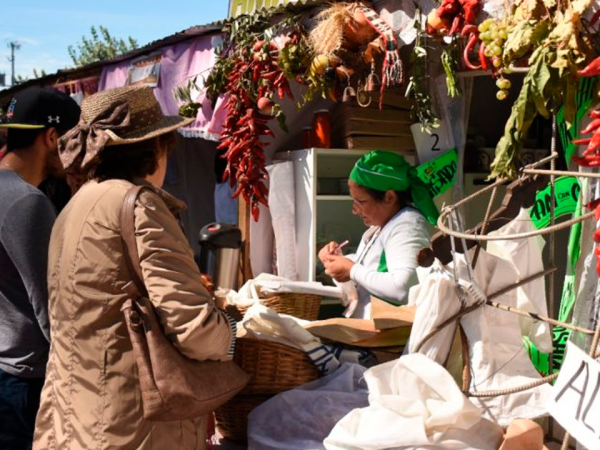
x=87, y=139
x=389, y=171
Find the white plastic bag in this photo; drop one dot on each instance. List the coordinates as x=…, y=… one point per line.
x=526, y=255
x=436, y=300
x=497, y=355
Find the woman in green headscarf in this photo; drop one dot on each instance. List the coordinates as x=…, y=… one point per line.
x=390, y=198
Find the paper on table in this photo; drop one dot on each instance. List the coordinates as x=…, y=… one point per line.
x=358, y=332
x=387, y=316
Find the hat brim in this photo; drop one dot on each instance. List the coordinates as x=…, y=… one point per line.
x=166, y=124
x=22, y=126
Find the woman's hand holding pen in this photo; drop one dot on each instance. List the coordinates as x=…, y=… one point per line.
x=336, y=265
x=333, y=248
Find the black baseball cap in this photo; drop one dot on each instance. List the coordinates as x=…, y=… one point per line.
x=36, y=108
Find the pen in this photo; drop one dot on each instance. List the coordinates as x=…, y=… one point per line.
x=339, y=247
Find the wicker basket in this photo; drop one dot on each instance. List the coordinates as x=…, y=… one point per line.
x=273, y=367
x=302, y=306
x=232, y=417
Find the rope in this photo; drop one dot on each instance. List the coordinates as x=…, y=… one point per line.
x=466, y=310
x=514, y=390
x=552, y=238
x=486, y=222
x=495, y=184
x=562, y=173
x=500, y=181
x=473, y=237
x=462, y=312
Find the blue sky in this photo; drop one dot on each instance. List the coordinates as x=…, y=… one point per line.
x=46, y=29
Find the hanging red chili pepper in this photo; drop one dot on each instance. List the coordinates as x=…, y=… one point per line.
x=252, y=86
x=591, y=155
x=452, y=16
x=591, y=70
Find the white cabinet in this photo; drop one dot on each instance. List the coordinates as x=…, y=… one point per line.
x=323, y=206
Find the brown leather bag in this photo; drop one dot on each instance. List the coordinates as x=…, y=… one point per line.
x=173, y=386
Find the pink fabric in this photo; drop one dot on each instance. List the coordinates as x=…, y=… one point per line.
x=180, y=62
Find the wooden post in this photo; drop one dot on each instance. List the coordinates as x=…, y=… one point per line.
x=244, y=218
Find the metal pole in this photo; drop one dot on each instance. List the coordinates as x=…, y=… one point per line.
x=14, y=45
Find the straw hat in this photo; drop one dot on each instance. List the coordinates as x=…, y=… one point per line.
x=115, y=117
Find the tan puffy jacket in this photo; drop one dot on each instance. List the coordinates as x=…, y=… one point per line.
x=91, y=398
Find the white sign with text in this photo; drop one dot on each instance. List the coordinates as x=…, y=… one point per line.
x=575, y=402
x=430, y=144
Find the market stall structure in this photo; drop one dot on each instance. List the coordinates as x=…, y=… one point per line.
x=431, y=82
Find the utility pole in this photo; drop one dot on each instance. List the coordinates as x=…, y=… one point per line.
x=14, y=45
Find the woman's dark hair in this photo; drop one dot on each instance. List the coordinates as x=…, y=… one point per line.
x=403, y=198
x=129, y=161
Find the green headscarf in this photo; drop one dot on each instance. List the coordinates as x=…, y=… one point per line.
x=389, y=171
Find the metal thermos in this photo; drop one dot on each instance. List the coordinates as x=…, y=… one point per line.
x=220, y=246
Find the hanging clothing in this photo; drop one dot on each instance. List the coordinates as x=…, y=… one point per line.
x=180, y=63
x=397, y=245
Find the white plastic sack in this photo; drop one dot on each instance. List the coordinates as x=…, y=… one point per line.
x=435, y=299
x=498, y=357
x=497, y=354
x=414, y=403
x=526, y=255
x=301, y=419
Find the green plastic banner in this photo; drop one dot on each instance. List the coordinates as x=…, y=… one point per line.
x=566, y=193
x=560, y=335
x=584, y=99
x=440, y=173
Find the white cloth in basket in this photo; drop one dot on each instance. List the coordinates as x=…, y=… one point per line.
x=263, y=323
x=272, y=284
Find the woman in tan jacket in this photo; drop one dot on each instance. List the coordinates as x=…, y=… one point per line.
x=91, y=398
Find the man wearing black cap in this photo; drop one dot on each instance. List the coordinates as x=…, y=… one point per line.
x=35, y=119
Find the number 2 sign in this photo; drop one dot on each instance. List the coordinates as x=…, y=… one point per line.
x=430, y=144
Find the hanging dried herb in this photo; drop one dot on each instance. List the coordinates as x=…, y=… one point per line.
x=418, y=88
x=449, y=59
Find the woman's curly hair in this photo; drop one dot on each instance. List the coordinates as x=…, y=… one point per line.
x=129, y=161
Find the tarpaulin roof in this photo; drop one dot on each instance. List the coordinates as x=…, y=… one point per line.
x=96, y=67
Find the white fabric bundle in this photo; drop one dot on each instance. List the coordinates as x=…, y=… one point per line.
x=414, y=404
x=272, y=284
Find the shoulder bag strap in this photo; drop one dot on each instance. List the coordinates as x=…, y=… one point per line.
x=130, y=251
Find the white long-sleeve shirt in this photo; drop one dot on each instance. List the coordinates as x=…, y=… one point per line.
x=401, y=238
